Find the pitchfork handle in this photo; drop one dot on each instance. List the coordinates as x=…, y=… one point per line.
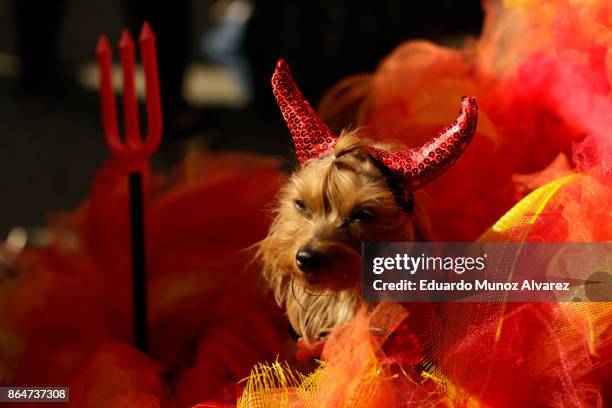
x=141, y=335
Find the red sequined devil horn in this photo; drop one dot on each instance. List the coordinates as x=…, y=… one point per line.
x=312, y=138
x=412, y=169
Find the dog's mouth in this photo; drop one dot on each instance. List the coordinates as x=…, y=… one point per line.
x=330, y=280
x=333, y=283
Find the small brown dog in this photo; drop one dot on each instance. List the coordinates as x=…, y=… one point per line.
x=345, y=192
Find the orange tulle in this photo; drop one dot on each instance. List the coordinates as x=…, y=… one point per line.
x=541, y=74
x=538, y=170
x=471, y=354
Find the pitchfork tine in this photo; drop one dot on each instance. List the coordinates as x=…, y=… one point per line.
x=154, y=108
x=107, y=96
x=133, y=150
x=130, y=106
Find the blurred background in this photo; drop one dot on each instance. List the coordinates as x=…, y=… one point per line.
x=215, y=61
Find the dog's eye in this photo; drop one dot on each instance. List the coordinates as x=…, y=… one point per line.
x=362, y=215
x=299, y=204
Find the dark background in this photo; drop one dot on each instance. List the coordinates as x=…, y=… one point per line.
x=50, y=133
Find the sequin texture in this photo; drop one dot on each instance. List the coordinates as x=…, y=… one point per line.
x=412, y=169
x=311, y=137
x=407, y=170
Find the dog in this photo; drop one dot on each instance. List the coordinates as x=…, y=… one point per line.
x=346, y=191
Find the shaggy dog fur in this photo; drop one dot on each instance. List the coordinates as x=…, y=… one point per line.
x=328, y=207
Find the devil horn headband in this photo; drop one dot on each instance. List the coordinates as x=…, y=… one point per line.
x=311, y=137
x=409, y=170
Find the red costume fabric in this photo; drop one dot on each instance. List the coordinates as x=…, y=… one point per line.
x=65, y=315
x=541, y=74
x=538, y=169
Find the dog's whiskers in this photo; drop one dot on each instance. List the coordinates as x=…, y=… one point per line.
x=320, y=293
x=295, y=297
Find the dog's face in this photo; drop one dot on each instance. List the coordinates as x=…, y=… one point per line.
x=325, y=211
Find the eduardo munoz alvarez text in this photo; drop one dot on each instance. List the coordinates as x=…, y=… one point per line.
x=458, y=265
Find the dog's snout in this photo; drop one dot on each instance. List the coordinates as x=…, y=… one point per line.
x=308, y=260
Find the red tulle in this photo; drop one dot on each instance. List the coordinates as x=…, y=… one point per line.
x=541, y=72
x=209, y=317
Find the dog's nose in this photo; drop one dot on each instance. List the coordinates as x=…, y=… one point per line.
x=308, y=260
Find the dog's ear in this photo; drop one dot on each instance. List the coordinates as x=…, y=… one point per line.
x=423, y=230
